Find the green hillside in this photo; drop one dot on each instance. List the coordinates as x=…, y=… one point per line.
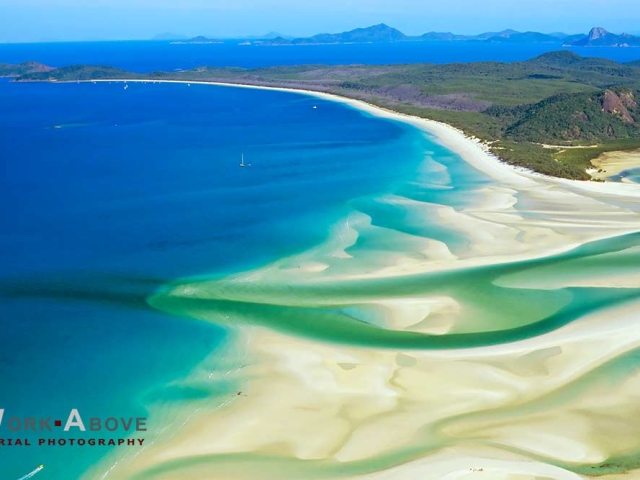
x=601, y=115
x=78, y=72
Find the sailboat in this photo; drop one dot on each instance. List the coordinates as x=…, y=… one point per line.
x=242, y=164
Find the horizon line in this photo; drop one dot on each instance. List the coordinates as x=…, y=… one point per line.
x=180, y=36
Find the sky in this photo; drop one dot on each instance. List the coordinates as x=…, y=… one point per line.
x=77, y=20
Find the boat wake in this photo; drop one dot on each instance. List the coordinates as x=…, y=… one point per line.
x=33, y=473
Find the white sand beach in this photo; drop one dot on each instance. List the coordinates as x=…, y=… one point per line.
x=612, y=163
x=526, y=409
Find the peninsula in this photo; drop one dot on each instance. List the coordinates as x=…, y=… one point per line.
x=527, y=113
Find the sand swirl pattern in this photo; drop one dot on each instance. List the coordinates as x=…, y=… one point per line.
x=477, y=322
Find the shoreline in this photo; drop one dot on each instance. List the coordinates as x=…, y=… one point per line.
x=472, y=150
x=346, y=411
x=611, y=164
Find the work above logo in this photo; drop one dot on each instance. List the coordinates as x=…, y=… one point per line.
x=74, y=422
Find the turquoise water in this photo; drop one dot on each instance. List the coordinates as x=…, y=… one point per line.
x=631, y=175
x=113, y=193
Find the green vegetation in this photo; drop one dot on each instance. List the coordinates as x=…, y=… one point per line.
x=13, y=70
x=601, y=115
x=558, y=98
x=581, y=157
x=74, y=73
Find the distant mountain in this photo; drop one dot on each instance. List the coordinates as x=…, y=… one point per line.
x=635, y=63
x=277, y=41
x=376, y=34
x=505, y=33
x=599, y=37
x=268, y=36
x=505, y=36
x=198, y=40
x=169, y=36
x=527, y=37
x=443, y=37
x=453, y=37
x=571, y=39
x=384, y=34
x=559, y=35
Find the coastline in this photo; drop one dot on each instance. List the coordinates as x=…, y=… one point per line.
x=347, y=410
x=475, y=153
x=472, y=150
x=610, y=164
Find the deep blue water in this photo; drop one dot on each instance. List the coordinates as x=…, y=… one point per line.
x=109, y=193
x=145, y=56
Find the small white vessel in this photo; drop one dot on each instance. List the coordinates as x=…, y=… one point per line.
x=126, y=86
x=242, y=164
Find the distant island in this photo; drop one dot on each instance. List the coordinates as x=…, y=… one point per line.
x=599, y=37
x=525, y=112
x=382, y=33
x=198, y=41
x=207, y=40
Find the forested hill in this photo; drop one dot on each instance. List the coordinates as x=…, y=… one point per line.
x=602, y=115
x=558, y=98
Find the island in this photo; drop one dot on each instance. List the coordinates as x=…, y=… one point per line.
x=526, y=113
x=200, y=40
x=599, y=37
x=383, y=33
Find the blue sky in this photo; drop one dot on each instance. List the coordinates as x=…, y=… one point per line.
x=33, y=20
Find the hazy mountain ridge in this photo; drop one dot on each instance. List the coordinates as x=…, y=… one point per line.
x=526, y=37
x=383, y=33
x=198, y=40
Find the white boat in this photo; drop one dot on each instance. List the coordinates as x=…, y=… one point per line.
x=242, y=164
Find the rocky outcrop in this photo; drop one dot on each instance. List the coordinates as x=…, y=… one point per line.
x=615, y=105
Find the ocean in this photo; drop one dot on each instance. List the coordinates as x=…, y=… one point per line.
x=146, y=56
